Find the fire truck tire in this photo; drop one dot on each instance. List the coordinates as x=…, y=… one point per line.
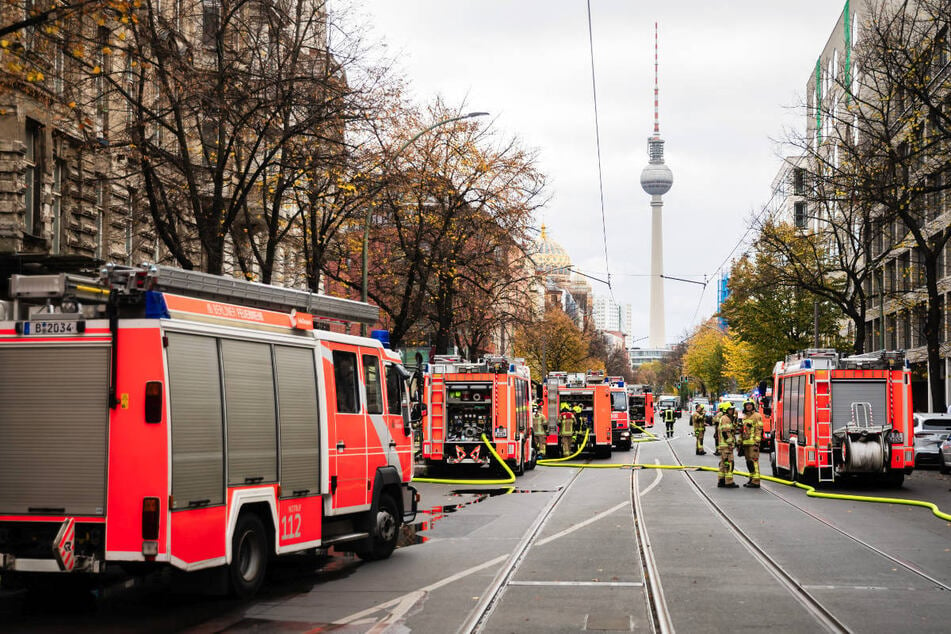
x=772, y=465
x=248, y=556
x=518, y=466
x=793, y=472
x=534, y=459
x=384, y=531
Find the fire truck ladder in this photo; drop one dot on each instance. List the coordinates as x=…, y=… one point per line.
x=245, y=293
x=437, y=414
x=826, y=466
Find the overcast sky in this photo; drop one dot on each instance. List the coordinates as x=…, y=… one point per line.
x=732, y=77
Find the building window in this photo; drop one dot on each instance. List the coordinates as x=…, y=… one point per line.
x=100, y=217
x=33, y=159
x=102, y=104
x=58, y=170
x=799, y=181
x=800, y=214
x=58, y=69
x=210, y=22
x=29, y=33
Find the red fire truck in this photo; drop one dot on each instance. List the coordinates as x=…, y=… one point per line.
x=620, y=417
x=842, y=416
x=466, y=400
x=592, y=394
x=145, y=420
x=640, y=404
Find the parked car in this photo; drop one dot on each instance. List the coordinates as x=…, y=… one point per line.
x=930, y=431
x=945, y=465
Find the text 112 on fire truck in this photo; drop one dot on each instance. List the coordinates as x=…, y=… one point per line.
x=160, y=424
x=466, y=400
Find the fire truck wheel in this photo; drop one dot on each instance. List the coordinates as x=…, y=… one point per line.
x=248, y=556
x=384, y=531
x=518, y=466
x=772, y=464
x=534, y=459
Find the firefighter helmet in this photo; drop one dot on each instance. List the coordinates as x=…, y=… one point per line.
x=725, y=405
x=565, y=407
x=749, y=401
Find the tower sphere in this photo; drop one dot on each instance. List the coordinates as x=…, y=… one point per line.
x=657, y=179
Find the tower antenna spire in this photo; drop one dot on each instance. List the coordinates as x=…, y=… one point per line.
x=656, y=86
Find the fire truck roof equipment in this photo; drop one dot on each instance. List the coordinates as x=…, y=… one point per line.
x=128, y=281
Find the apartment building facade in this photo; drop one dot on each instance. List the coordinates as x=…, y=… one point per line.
x=897, y=297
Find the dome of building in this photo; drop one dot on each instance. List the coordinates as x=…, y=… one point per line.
x=550, y=257
x=657, y=179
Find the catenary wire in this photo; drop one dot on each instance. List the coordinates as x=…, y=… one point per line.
x=597, y=137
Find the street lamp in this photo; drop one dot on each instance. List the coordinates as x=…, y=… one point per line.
x=366, y=224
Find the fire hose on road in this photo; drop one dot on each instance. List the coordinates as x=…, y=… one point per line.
x=810, y=490
x=565, y=462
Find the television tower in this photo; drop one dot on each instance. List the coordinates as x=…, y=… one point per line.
x=656, y=179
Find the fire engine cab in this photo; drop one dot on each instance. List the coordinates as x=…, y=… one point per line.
x=640, y=404
x=157, y=416
x=842, y=416
x=592, y=394
x=620, y=417
x=466, y=400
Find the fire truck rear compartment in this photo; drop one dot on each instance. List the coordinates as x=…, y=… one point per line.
x=53, y=431
x=859, y=424
x=468, y=417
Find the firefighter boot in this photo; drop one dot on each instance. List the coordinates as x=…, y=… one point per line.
x=720, y=483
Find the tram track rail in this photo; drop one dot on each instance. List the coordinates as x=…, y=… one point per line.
x=810, y=603
x=858, y=540
x=480, y=614
x=657, y=612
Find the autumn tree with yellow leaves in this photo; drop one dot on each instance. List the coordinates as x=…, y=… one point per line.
x=554, y=343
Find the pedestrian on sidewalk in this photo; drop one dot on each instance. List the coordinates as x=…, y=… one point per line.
x=725, y=443
x=699, y=427
x=751, y=431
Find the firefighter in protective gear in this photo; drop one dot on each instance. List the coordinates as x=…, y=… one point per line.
x=580, y=420
x=566, y=420
x=751, y=432
x=699, y=427
x=669, y=421
x=725, y=442
x=540, y=424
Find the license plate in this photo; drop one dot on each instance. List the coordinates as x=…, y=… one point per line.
x=51, y=328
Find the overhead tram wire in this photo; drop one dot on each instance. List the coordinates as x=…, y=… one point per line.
x=759, y=216
x=597, y=137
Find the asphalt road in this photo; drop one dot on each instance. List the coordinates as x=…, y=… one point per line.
x=561, y=553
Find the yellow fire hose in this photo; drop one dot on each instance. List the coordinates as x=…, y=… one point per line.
x=509, y=480
x=810, y=490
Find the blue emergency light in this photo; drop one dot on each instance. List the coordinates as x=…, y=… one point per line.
x=383, y=336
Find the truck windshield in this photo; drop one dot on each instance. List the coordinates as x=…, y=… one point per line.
x=618, y=402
